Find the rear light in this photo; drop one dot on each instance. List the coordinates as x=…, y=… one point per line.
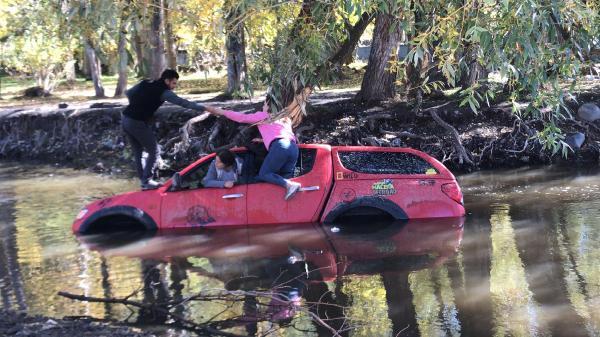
x=453, y=192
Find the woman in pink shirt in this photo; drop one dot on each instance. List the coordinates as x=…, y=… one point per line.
x=280, y=141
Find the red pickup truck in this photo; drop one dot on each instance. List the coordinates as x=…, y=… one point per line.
x=339, y=183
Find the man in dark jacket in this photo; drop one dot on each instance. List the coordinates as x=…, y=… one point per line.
x=144, y=99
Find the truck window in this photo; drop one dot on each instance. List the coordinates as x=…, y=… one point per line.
x=193, y=179
x=385, y=163
x=306, y=160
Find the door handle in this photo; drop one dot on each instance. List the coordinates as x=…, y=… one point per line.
x=310, y=188
x=233, y=196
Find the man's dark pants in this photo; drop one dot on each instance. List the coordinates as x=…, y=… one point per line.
x=141, y=137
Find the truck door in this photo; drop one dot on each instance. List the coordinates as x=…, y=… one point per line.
x=313, y=170
x=194, y=205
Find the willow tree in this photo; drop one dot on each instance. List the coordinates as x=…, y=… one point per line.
x=535, y=46
x=311, y=38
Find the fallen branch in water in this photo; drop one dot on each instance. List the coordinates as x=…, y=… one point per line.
x=185, y=322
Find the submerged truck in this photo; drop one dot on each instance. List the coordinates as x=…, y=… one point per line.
x=339, y=184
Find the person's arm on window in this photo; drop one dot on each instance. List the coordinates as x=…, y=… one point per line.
x=210, y=180
x=171, y=97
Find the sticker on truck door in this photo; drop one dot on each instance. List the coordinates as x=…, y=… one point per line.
x=383, y=187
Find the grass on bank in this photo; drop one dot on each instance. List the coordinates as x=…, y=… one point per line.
x=81, y=90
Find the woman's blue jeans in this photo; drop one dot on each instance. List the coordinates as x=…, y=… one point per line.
x=280, y=162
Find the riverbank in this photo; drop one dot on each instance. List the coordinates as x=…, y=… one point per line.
x=89, y=136
x=22, y=325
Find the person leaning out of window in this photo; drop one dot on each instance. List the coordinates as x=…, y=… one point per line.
x=224, y=171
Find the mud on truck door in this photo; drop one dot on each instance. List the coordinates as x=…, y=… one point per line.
x=313, y=170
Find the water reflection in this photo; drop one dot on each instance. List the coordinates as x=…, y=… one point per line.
x=299, y=263
x=526, y=264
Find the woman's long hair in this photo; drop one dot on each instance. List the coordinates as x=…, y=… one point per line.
x=295, y=111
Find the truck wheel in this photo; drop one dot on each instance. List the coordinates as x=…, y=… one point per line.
x=118, y=218
x=114, y=223
x=367, y=209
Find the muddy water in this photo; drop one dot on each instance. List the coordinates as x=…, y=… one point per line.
x=525, y=263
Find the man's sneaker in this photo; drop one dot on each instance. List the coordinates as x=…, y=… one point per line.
x=150, y=185
x=291, y=189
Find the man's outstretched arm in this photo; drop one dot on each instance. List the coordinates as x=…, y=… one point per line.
x=171, y=97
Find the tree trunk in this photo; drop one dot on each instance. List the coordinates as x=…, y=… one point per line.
x=157, y=45
x=379, y=82
x=123, y=59
x=413, y=71
x=169, y=40
x=85, y=67
x=70, y=71
x=142, y=67
x=95, y=70
x=346, y=50
x=476, y=71
x=236, y=54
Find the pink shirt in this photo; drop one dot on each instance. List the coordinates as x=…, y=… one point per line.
x=268, y=131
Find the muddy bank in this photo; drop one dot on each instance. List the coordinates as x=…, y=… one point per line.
x=22, y=325
x=494, y=138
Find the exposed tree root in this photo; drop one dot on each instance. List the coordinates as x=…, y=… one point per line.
x=461, y=152
x=187, y=128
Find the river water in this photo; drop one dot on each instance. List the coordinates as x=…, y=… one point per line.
x=524, y=263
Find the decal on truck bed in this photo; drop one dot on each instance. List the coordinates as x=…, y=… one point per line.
x=384, y=187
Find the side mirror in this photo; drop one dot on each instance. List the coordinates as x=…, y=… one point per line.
x=176, y=185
